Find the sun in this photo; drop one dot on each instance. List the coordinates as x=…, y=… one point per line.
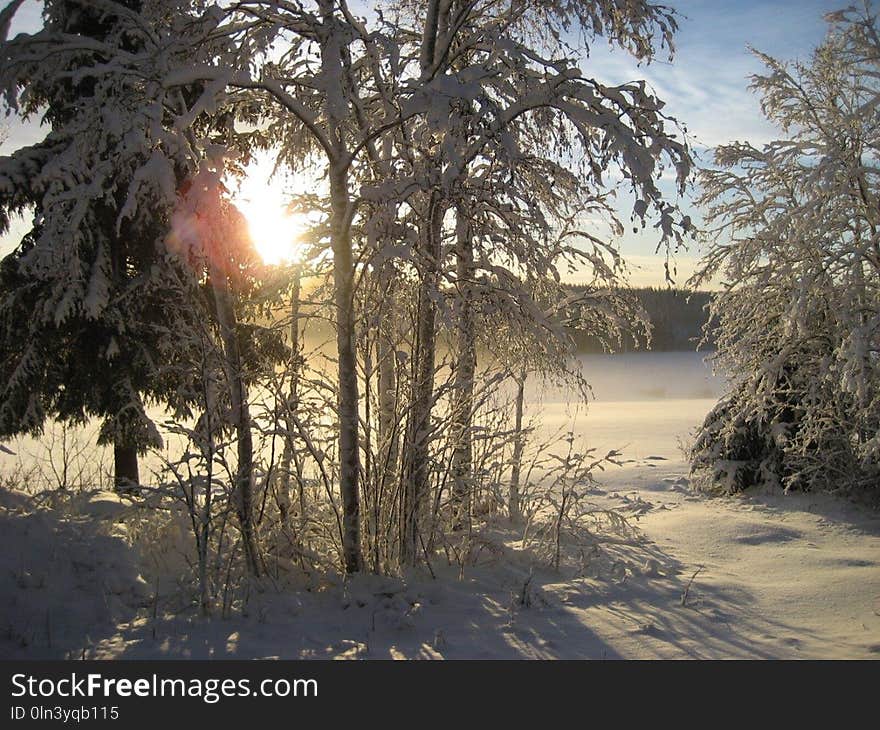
x=277, y=234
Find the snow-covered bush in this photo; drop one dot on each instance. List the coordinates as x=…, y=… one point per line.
x=797, y=246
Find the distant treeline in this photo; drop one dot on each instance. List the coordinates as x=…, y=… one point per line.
x=677, y=317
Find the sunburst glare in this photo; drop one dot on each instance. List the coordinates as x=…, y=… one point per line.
x=276, y=233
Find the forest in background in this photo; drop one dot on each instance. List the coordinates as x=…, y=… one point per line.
x=677, y=320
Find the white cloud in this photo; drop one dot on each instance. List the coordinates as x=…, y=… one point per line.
x=706, y=86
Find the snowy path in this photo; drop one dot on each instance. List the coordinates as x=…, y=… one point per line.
x=782, y=576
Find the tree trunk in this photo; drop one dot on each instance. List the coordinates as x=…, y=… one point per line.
x=414, y=486
x=349, y=461
x=430, y=34
x=465, y=371
x=387, y=474
x=292, y=400
x=415, y=478
x=335, y=106
x=514, y=507
x=435, y=32
x=241, y=419
x=125, y=467
x=389, y=437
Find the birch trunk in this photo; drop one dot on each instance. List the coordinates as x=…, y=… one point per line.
x=513, y=502
x=415, y=478
x=292, y=402
x=349, y=463
x=429, y=34
x=335, y=106
x=387, y=468
x=241, y=418
x=415, y=466
x=463, y=386
x=389, y=439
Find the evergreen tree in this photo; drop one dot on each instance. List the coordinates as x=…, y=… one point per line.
x=87, y=296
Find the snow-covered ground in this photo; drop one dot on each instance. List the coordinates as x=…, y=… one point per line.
x=759, y=576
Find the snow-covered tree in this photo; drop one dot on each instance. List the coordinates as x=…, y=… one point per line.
x=513, y=145
x=210, y=235
x=461, y=147
x=796, y=246
x=82, y=295
x=97, y=297
x=400, y=115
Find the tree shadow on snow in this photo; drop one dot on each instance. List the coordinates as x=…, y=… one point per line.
x=638, y=603
x=65, y=584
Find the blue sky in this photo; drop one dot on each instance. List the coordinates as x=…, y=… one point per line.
x=705, y=87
